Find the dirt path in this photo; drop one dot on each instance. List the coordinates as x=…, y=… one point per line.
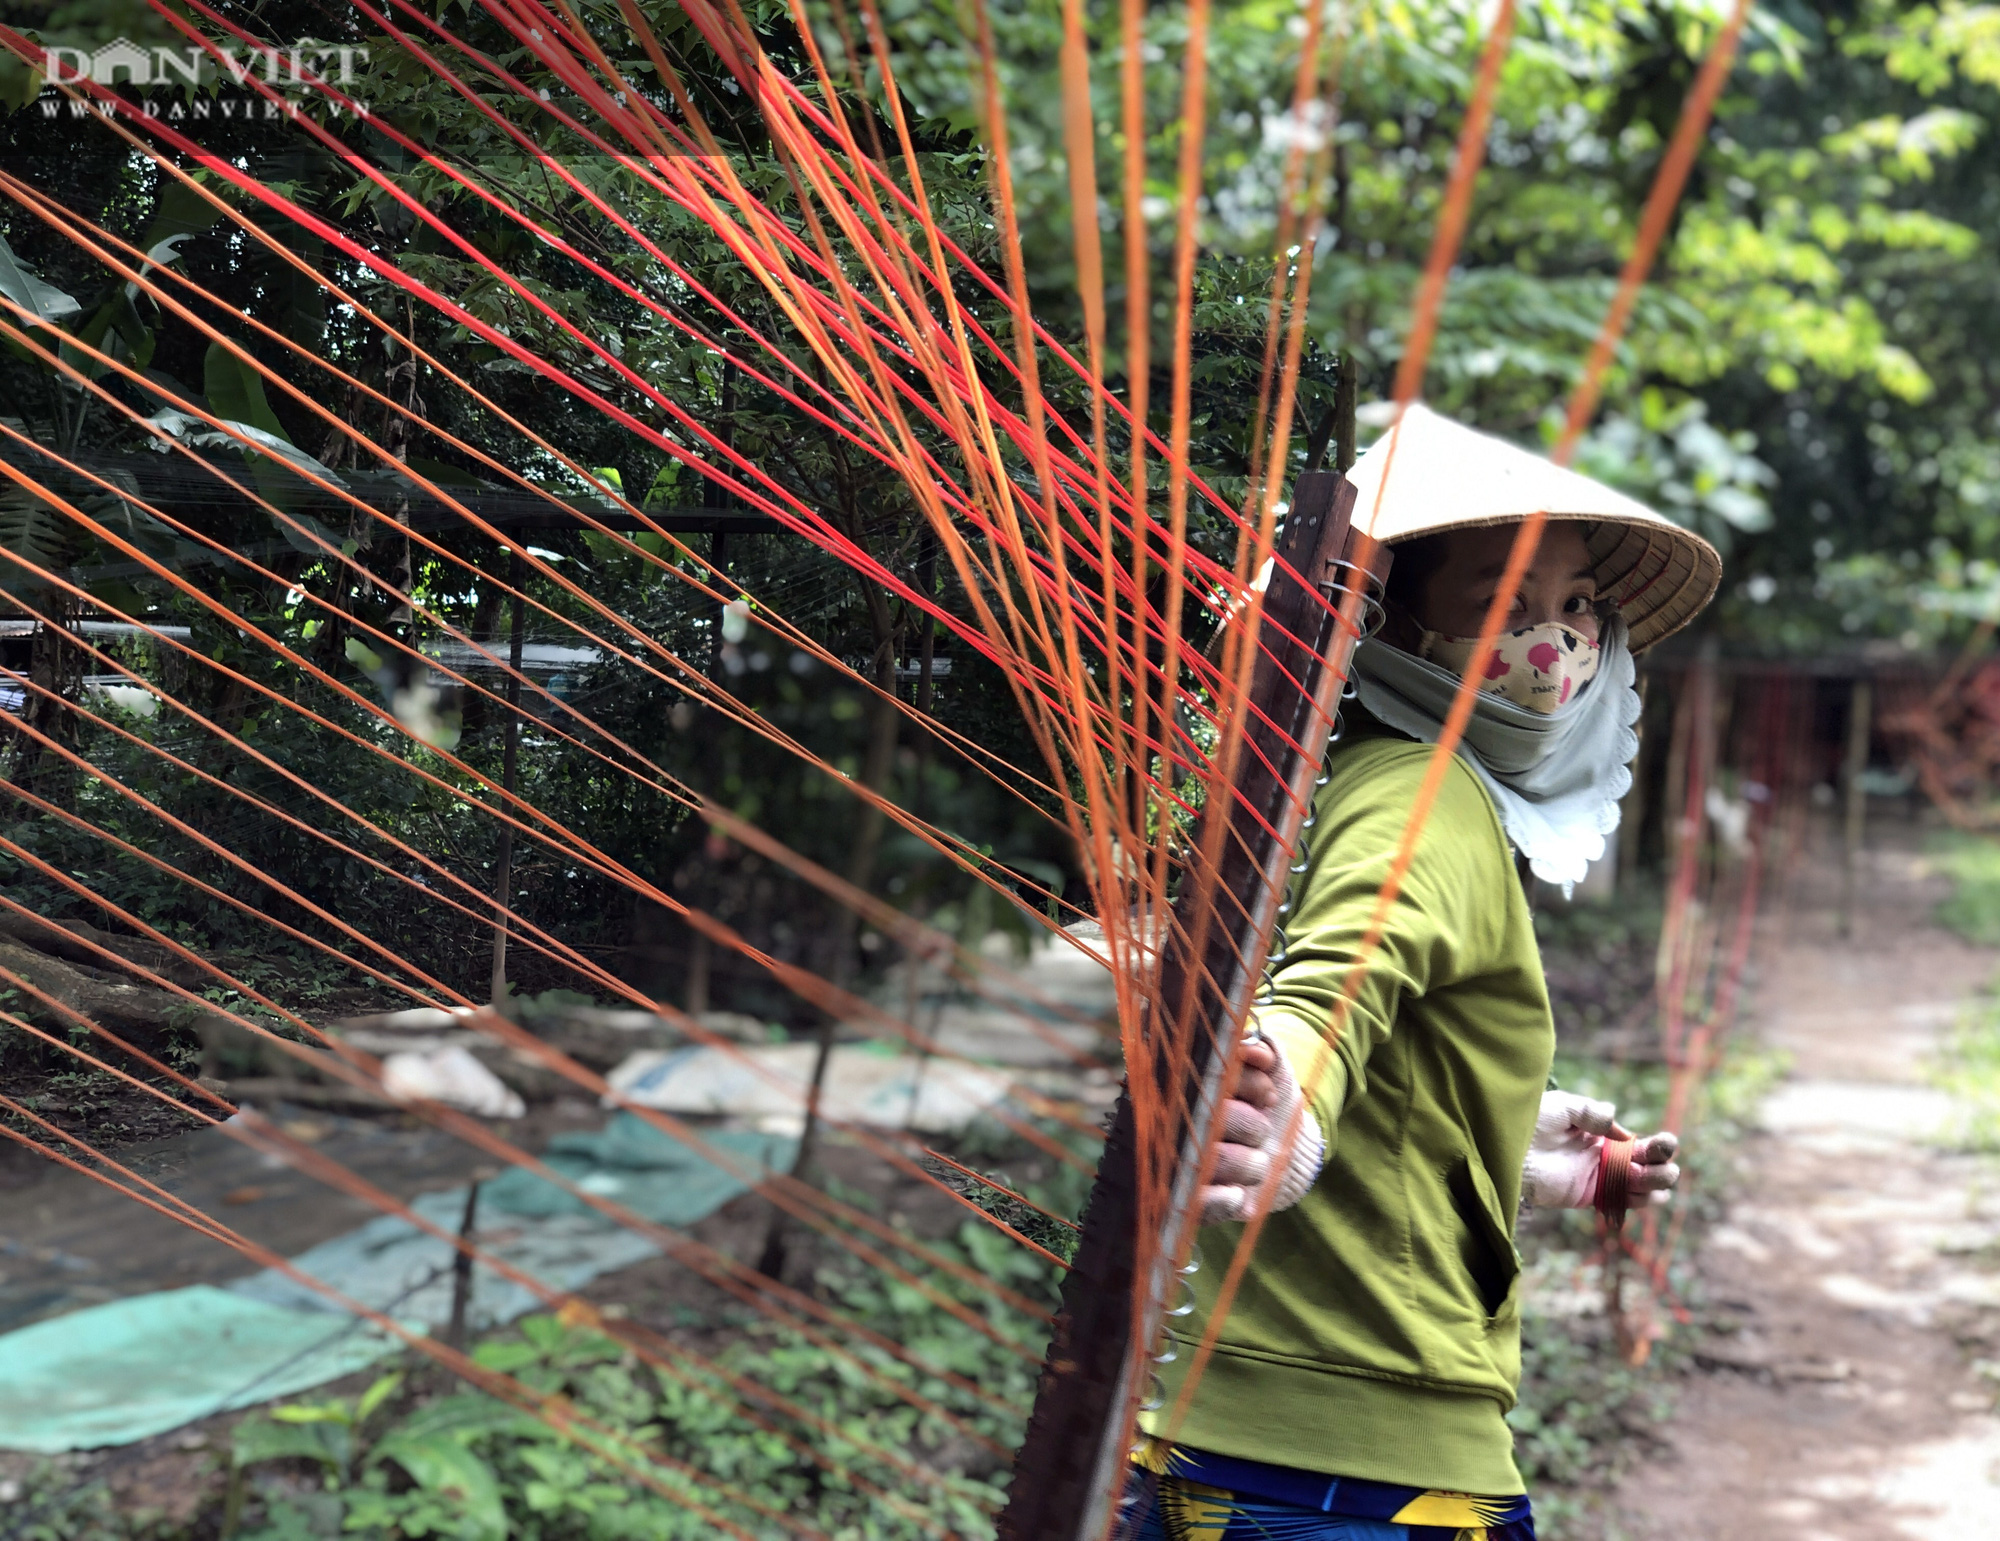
x=1861, y=1267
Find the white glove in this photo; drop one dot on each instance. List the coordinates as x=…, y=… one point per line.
x=1562, y=1165
x=1254, y=1123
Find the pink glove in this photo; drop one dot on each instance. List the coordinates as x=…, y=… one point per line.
x=1254, y=1122
x=1562, y=1165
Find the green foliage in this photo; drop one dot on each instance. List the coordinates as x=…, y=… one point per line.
x=477, y=1469
x=1674, y=459
x=1581, y=1410
x=1062, y=1194
x=1598, y=959
x=1808, y=373
x=1969, y=1069
x=1969, y=1066
x=1027, y=1219
x=1972, y=862
x=1815, y=331
x=235, y=390
x=467, y=1466
x=48, y=1504
x=334, y=617
x=46, y=303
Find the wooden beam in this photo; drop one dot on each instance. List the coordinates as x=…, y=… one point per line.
x=195, y=495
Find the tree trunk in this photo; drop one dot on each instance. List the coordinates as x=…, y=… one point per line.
x=503, y=879
x=55, y=664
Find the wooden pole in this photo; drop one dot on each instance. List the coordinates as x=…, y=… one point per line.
x=700, y=955
x=510, y=756
x=1108, y=1335
x=1632, y=817
x=461, y=1266
x=878, y=763
x=1347, y=385
x=1860, y=711
x=699, y=964
x=1674, y=793
x=1693, y=756
x=1335, y=431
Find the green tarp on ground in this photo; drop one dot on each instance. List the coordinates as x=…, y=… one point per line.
x=114, y=1373
x=527, y=1222
x=128, y=1369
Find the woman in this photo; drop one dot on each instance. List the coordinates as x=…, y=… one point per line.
x=1359, y=1385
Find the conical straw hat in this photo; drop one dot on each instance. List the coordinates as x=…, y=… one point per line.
x=1446, y=476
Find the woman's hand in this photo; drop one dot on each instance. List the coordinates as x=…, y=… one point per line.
x=1254, y=1122
x=1562, y=1165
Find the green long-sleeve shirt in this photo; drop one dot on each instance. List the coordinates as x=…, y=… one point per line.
x=1377, y=1330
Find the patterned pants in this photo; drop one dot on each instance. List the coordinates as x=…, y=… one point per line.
x=1166, y=1500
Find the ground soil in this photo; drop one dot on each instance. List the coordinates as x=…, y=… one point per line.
x=69, y=1240
x=1855, y=1280
x=113, y=1114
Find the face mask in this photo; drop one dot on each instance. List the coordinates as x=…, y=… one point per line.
x=1539, y=667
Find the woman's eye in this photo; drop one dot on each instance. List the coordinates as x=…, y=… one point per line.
x=1579, y=604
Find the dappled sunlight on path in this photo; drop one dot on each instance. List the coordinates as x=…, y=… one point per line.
x=1860, y=1264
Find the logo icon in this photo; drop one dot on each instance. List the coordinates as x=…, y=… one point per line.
x=124, y=62
x=270, y=78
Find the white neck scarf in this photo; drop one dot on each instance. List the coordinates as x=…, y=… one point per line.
x=1556, y=777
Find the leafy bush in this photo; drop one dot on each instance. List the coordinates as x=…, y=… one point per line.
x=469, y=1467
x=1969, y=1069
x=1969, y=1066
x=47, y=1503
x=1973, y=865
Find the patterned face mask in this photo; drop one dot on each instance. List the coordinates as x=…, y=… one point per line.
x=1539, y=667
